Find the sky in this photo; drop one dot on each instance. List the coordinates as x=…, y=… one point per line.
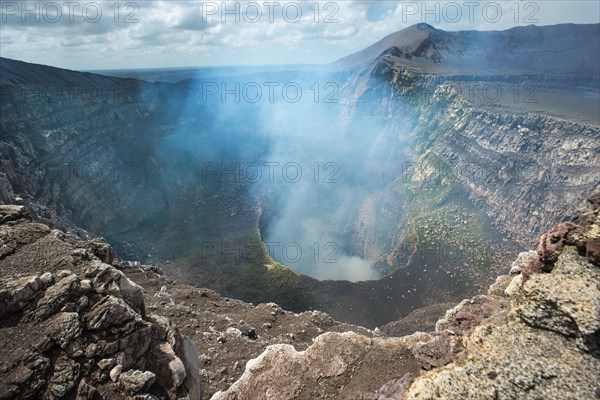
x=91, y=35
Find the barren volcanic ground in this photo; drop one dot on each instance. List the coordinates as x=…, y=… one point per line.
x=400, y=183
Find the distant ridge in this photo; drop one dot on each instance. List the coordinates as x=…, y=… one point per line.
x=15, y=71
x=564, y=49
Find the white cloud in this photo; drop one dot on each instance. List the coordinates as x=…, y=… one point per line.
x=192, y=33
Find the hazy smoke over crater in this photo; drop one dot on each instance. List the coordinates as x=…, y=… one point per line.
x=284, y=138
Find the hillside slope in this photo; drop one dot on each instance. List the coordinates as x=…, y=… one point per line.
x=75, y=322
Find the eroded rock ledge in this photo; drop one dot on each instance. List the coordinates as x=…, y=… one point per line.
x=84, y=330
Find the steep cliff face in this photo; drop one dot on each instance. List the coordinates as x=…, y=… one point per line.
x=499, y=164
x=72, y=147
x=522, y=169
x=480, y=115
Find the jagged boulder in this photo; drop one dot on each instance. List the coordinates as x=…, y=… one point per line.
x=108, y=312
x=566, y=301
x=64, y=377
x=17, y=293
x=66, y=288
x=188, y=353
x=135, y=381
x=108, y=280
x=12, y=213
x=63, y=328
x=337, y=365
x=103, y=325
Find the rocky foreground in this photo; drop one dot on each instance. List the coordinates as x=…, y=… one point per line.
x=77, y=323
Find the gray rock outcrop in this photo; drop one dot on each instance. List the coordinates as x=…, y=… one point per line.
x=84, y=332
